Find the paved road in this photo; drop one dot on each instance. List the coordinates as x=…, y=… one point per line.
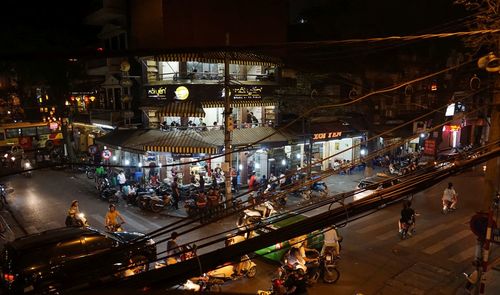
x=374, y=260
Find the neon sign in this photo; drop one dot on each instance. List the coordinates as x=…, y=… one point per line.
x=326, y=135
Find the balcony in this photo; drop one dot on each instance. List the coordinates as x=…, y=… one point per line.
x=110, y=118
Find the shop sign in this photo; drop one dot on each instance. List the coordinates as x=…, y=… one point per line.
x=430, y=147
x=53, y=125
x=181, y=93
x=451, y=128
x=106, y=154
x=326, y=135
x=158, y=92
x=247, y=92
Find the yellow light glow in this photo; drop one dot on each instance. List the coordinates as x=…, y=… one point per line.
x=181, y=93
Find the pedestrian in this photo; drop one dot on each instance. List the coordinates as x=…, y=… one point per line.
x=249, y=117
x=193, y=178
x=173, y=249
x=202, y=183
x=263, y=183
x=175, y=193
x=255, y=120
x=450, y=198
x=122, y=179
x=252, y=181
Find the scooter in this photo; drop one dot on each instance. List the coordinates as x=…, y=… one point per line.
x=248, y=268
x=27, y=168
x=115, y=227
x=319, y=188
x=76, y=221
x=250, y=217
x=158, y=203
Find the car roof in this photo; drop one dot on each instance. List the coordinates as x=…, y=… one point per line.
x=49, y=237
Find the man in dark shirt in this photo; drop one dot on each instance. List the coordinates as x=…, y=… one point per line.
x=175, y=193
x=407, y=216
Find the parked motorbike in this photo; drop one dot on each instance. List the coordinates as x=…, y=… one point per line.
x=248, y=269
x=319, y=188
x=250, y=217
x=303, y=193
x=110, y=194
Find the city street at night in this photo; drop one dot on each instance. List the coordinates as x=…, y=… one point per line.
x=250, y=147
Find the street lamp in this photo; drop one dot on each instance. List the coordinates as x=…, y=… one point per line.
x=363, y=152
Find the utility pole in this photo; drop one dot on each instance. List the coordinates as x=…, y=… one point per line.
x=228, y=126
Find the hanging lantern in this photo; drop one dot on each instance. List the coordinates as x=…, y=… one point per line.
x=92, y=98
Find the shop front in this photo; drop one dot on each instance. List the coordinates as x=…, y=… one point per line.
x=337, y=142
x=199, y=106
x=153, y=152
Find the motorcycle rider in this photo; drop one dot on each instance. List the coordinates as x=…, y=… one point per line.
x=71, y=219
x=112, y=215
x=331, y=239
x=407, y=217
x=25, y=163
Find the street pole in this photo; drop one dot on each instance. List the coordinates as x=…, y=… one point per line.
x=227, y=126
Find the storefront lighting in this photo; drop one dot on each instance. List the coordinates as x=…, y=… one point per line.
x=105, y=147
x=363, y=152
x=103, y=126
x=283, y=162
x=114, y=158
x=422, y=135
x=140, y=165
x=257, y=166
x=159, y=165
x=240, y=167
x=298, y=156
x=127, y=162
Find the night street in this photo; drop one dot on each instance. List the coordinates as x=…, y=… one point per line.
x=160, y=146
x=373, y=256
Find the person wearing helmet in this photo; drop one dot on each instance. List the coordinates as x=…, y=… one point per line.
x=111, y=220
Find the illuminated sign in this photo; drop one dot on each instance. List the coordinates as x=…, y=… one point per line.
x=181, y=93
x=106, y=154
x=326, y=135
x=247, y=92
x=53, y=125
x=451, y=128
x=158, y=92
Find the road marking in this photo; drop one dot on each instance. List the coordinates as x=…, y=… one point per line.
x=428, y=232
x=388, y=235
x=464, y=255
x=376, y=225
x=447, y=242
x=136, y=225
x=143, y=220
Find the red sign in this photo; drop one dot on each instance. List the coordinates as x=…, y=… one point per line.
x=326, y=135
x=451, y=128
x=430, y=147
x=106, y=154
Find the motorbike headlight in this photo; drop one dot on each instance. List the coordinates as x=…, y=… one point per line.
x=27, y=165
x=81, y=215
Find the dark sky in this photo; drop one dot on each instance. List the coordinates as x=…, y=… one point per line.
x=43, y=25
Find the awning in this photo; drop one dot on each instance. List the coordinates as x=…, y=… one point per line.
x=240, y=103
x=241, y=58
x=140, y=140
x=246, y=136
x=180, y=142
x=182, y=109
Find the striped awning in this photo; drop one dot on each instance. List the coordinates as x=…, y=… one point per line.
x=182, y=109
x=240, y=103
x=181, y=142
x=241, y=58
